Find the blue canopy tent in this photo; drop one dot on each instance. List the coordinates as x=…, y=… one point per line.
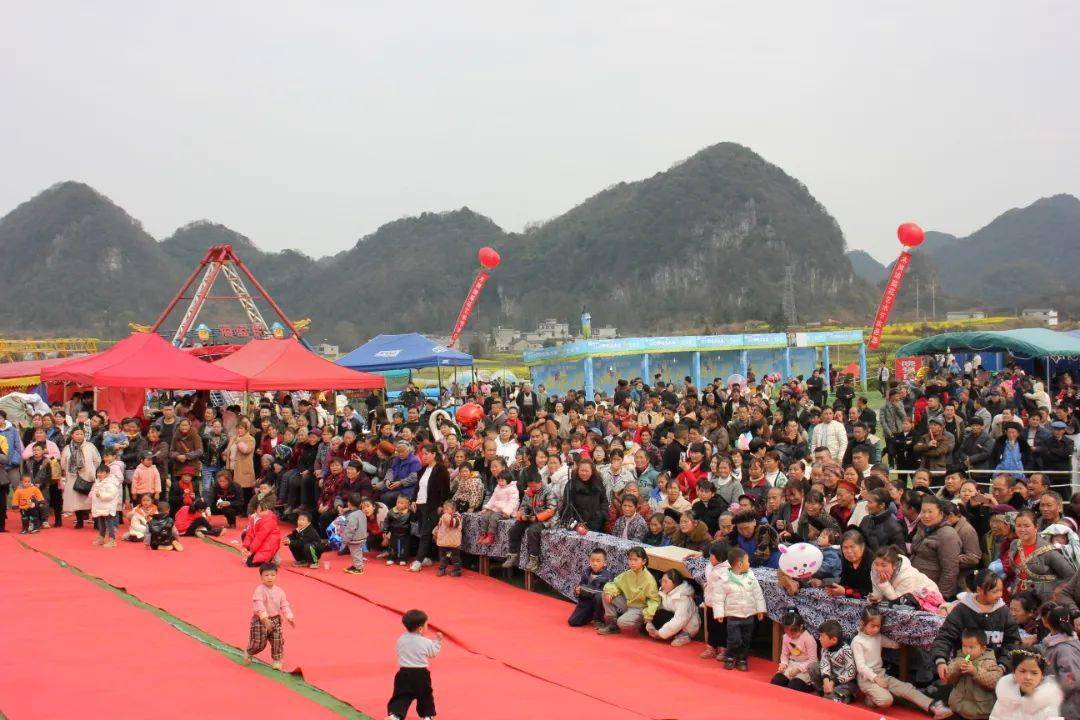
x=410, y=351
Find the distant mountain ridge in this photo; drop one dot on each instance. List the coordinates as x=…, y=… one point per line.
x=702, y=244
x=867, y=266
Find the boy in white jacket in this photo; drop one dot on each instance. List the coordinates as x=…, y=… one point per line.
x=741, y=600
x=715, y=632
x=677, y=609
x=502, y=506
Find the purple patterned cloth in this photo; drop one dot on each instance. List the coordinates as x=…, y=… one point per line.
x=563, y=553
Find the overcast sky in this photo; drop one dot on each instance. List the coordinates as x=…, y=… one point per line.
x=308, y=125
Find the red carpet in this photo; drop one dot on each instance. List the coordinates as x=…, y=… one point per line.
x=341, y=644
x=510, y=653
x=71, y=649
x=485, y=615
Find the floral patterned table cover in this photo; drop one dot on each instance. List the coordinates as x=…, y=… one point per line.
x=565, y=553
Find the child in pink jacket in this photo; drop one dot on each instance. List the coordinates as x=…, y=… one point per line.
x=798, y=654
x=502, y=505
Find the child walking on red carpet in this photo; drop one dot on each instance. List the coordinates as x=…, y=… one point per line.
x=270, y=604
x=413, y=679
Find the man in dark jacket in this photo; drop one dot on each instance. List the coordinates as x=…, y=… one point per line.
x=880, y=526
x=1056, y=452
x=975, y=448
x=902, y=448
x=527, y=403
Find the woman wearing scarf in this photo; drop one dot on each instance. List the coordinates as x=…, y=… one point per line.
x=79, y=459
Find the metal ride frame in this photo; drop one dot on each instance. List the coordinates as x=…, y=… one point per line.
x=221, y=259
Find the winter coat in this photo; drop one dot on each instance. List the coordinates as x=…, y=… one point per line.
x=976, y=449
x=728, y=491
x=138, y=525
x=698, y=538
x=832, y=563
x=891, y=418
x=1068, y=594
x=1002, y=632
x=715, y=575
x=973, y=695
x=541, y=504
x=586, y=502
x=11, y=448
x=970, y=547
x=935, y=552
x=1062, y=654
x=263, y=539
x=740, y=596
x=631, y=528
x=800, y=654
x=1056, y=454
x=831, y=435
x=1045, y=569
x=998, y=452
x=106, y=497
x=190, y=446
x=639, y=589
x=646, y=479
x=595, y=581
x=231, y=494
x=145, y=480
x=397, y=524
x=709, y=513
x=882, y=530
x=354, y=531
x=504, y=500
x=1043, y=704
x=239, y=457
x=906, y=580
x=469, y=495
x=91, y=459
x=679, y=601
x=688, y=480
x=935, y=457
x=838, y=663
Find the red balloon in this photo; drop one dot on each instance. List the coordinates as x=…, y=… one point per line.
x=468, y=415
x=488, y=257
x=910, y=234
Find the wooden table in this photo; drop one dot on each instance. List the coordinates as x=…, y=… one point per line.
x=670, y=557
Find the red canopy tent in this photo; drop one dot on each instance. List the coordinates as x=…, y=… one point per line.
x=139, y=362
x=286, y=365
x=144, y=360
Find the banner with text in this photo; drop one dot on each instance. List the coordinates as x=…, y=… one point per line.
x=467, y=306
x=888, y=298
